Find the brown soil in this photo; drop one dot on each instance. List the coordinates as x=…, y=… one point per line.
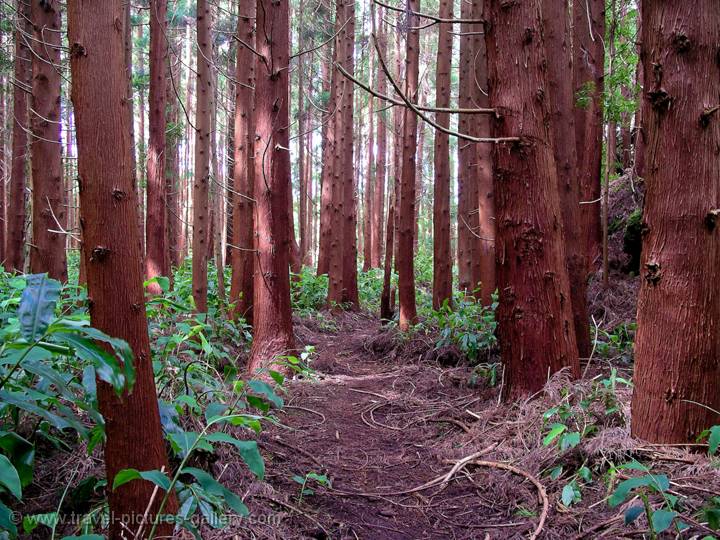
x=382, y=424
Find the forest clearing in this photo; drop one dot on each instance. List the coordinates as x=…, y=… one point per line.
x=359, y=269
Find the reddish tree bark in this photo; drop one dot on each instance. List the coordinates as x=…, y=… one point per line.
x=108, y=206
x=16, y=200
x=588, y=81
x=273, y=333
x=302, y=136
x=486, y=201
x=386, y=312
x=47, y=253
x=468, y=244
x=328, y=207
x=442, y=259
x=676, y=378
x=243, y=255
x=173, y=182
x=3, y=123
x=557, y=36
x=342, y=270
x=378, y=205
x=157, y=261
x=201, y=214
x=370, y=183
x=534, y=315
x=406, y=229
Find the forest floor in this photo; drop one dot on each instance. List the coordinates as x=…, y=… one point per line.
x=386, y=423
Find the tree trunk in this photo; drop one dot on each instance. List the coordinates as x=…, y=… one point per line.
x=328, y=209
x=302, y=128
x=201, y=181
x=468, y=195
x=386, y=312
x=3, y=123
x=47, y=253
x=406, y=230
x=534, y=315
x=556, y=32
x=588, y=81
x=20, y=126
x=108, y=205
x=486, y=201
x=639, y=134
x=273, y=333
x=173, y=183
x=442, y=260
x=370, y=183
x=243, y=255
x=157, y=262
x=378, y=205
x=676, y=392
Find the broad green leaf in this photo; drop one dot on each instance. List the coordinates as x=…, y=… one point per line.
x=183, y=441
x=21, y=454
x=568, y=494
x=657, y=481
x=107, y=367
x=37, y=306
x=662, y=519
x=9, y=477
x=555, y=431
x=212, y=486
x=263, y=388
x=714, y=439
x=248, y=452
x=7, y=521
x=569, y=440
x=632, y=513
x=127, y=475
x=26, y=403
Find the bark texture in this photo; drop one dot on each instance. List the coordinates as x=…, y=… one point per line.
x=378, y=205
x=677, y=346
x=201, y=181
x=243, y=255
x=108, y=207
x=272, y=318
x=557, y=35
x=157, y=258
x=442, y=258
x=20, y=126
x=406, y=230
x=47, y=253
x=468, y=244
x=534, y=315
x=588, y=81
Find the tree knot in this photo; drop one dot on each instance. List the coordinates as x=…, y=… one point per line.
x=711, y=219
x=77, y=50
x=653, y=274
x=99, y=254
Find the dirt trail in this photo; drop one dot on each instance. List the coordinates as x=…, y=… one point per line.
x=376, y=424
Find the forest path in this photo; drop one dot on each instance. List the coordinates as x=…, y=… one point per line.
x=381, y=423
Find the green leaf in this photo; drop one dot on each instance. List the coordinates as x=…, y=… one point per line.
x=632, y=513
x=556, y=472
x=568, y=495
x=85, y=537
x=128, y=475
x=21, y=453
x=248, y=452
x=264, y=389
x=714, y=439
x=659, y=481
x=555, y=431
x=37, y=306
x=107, y=367
x=7, y=522
x=662, y=519
x=162, y=281
x=184, y=441
x=212, y=486
x=9, y=477
x=569, y=440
